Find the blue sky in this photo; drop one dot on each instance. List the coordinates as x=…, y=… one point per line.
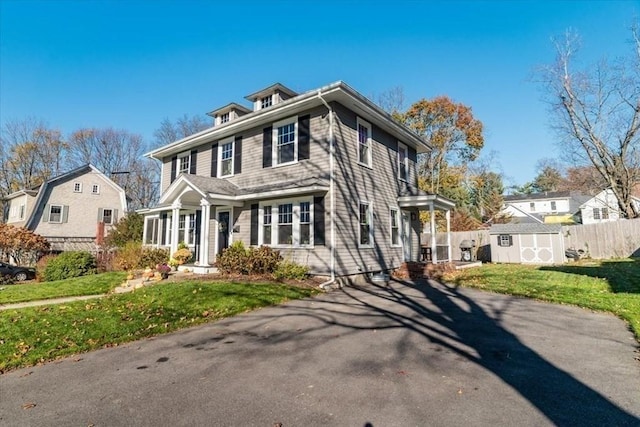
x=130, y=64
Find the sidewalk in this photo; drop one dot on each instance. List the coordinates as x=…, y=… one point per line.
x=48, y=301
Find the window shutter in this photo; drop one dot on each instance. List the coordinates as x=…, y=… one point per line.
x=193, y=161
x=254, y=224
x=303, y=137
x=198, y=223
x=318, y=221
x=266, y=147
x=412, y=153
x=510, y=240
x=174, y=167
x=100, y=214
x=45, y=214
x=214, y=160
x=237, y=161
x=164, y=228
x=114, y=220
x=65, y=213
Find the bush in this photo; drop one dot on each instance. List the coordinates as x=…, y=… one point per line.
x=233, y=259
x=7, y=279
x=290, y=270
x=128, y=229
x=182, y=255
x=133, y=255
x=41, y=266
x=70, y=264
x=153, y=256
x=262, y=260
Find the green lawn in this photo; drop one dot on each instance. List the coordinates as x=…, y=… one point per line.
x=611, y=285
x=32, y=335
x=88, y=285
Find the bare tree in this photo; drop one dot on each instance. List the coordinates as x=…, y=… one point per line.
x=596, y=113
x=184, y=126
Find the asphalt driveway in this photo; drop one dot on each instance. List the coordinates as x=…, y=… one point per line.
x=375, y=356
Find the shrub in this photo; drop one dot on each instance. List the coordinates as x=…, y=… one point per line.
x=153, y=256
x=70, y=264
x=262, y=260
x=129, y=256
x=7, y=279
x=41, y=266
x=128, y=229
x=287, y=269
x=233, y=259
x=182, y=255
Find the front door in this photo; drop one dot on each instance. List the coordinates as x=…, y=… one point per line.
x=406, y=235
x=223, y=230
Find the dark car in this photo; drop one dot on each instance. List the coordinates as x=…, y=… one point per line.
x=18, y=273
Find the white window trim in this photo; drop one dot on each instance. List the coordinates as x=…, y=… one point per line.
x=274, y=141
x=105, y=222
x=395, y=209
x=95, y=189
x=79, y=186
x=369, y=162
x=370, y=214
x=169, y=230
x=187, y=227
x=148, y=219
x=231, y=141
x=405, y=149
x=181, y=156
x=61, y=213
x=295, y=226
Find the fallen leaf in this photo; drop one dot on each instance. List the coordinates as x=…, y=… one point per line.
x=28, y=405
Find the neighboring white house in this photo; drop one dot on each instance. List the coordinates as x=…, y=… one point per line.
x=71, y=210
x=548, y=207
x=603, y=207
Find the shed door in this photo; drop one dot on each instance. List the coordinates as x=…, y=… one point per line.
x=536, y=248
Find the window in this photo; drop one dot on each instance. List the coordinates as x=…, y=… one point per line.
x=604, y=212
x=184, y=162
x=107, y=216
x=285, y=147
x=553, y=206
x=266, y=221
x=505, y=240
x=364, y=142
x=95, y=189
x=226, y=159
x=596, y=213
x=403, y=162
x=395, y=227
x=55, y=214
x=365, y=218
x=151, y=230
x=77, y=187
x=21, y=212
x=224, y=118
x=182, y=225
x=532, y=207
x=187, y=228
x=266, y=101
x=286, y=223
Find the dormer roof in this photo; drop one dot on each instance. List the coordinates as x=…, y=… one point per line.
x=233, y=106
x=274, y=88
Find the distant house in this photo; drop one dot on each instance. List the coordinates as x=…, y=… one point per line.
x=326, y=177
x=558, y=207
x=72, y=210
x=603, y=207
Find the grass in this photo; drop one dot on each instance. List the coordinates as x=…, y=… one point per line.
x=30, y=336
x=86, y=285
x=612, y=285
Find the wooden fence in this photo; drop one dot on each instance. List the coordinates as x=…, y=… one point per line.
x=616, y=239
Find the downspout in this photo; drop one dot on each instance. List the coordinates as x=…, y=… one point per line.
x=332, y=261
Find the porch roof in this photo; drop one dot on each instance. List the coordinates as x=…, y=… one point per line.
x=412, y=197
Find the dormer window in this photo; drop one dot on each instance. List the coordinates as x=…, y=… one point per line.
x=266, y=101
x=224, y=118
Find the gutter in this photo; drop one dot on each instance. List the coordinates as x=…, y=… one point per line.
x=332, y=261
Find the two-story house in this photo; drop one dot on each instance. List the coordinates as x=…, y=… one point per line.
x=71, y=211
x=551, y=207
x=326, y=177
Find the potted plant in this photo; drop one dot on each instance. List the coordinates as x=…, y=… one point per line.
x=163, y=269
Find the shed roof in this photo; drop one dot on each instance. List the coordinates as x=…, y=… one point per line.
x=525, y=228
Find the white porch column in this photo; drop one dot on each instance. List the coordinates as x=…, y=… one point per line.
x=174, y=226
x=432, y=217
x=204, y=232
x=448, y=214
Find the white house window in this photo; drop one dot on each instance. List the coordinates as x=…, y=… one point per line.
x=266, y=101
x=77, y=187
x=596, y=213
x=184, y=162
x=151, y=227
x=364, y=142
x=505, y=240
x=604, y=213
x=187, y=228
x=266, y=227
x=395, y=226
x=365, y=218
x=403, y=162
x=287, y=223
x=107, y=216
x=55, y=213
x=226, y=159
x=532, y=206
x=95, y=189
x=286, y=143
x=224, y=118
x=553, y=206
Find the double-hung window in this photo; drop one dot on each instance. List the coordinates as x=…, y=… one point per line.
x=364, y=142
x=95, y=189
x=77, y=187
x=596, y=213
x=286, y=223
x=553, y=206
x=604, y=213
x=266, y=101
x=365, y=218
x=184, y=162
x=55, y=214
x=151, y=230
x=107, y=216
x=187, y=228
x=224, y=118
x=226, y=158
x=286, y=143
x=394, y=215
x=403, y=162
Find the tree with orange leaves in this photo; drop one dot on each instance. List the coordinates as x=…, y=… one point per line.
x=20, y=244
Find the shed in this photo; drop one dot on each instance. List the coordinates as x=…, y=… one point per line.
x=527, y=243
